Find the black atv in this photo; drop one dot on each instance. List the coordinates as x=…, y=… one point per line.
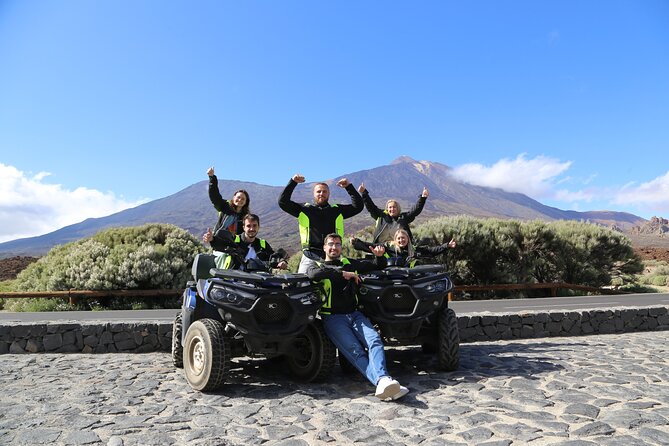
x=410, y=307
x=230, y=313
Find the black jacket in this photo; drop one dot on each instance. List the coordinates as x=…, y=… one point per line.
x=224, y=209
x=340, y=294
x=239, y=248
x=318, y=221
x=383, y=219
x=402, y=256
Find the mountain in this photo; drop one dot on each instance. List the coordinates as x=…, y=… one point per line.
x=402, y=180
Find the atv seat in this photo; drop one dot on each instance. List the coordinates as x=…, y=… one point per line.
x=202, y=264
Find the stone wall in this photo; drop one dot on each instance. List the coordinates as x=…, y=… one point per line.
x=140, y=337
x=494, y=327
x=88, y=337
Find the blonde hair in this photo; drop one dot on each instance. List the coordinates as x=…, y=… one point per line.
x=396, y=248
x=399, y=208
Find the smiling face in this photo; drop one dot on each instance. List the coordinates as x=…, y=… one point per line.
x=239, y=200
x=393, y=208
x=251, y=228
x=401, y=239
x=321, y=194
x=332, y=247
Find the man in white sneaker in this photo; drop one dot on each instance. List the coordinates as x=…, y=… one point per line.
x=350, y=330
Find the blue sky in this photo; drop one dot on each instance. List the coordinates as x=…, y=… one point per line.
x=108, y=104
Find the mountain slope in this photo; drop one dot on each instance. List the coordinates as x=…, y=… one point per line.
x=402, y=180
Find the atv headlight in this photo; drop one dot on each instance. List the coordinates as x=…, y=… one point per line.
x=309, y=299
x=436, y=287
x=222, y=295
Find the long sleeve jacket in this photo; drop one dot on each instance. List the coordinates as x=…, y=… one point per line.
x=340, y=294
x=239, y=247
x=316, y=222
x=228, y=218
x=402, y=256
x=384, y=221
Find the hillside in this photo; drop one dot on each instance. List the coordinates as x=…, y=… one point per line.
x=403, y=180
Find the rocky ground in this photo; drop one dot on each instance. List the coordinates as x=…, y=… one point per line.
x=11, y=266
x=588, y=391
x=651, y=253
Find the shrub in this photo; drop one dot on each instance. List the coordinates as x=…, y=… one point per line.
x=151, y=256
x=659, y=280
x=510, y=251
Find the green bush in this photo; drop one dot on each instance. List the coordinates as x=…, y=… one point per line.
x=660, y=280
x=152, y=256
x=492, y=251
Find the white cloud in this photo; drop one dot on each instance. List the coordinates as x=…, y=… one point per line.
x=30, y=207
x=533, y=177
x=543, y=178
x=652, y=196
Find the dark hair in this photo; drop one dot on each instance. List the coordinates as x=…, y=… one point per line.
x=332, y=235
x=322, y=184
x=252, y=217
x=246, y=208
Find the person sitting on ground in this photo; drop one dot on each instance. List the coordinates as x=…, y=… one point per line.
x=401, y=252
x=392, y=218
x=248, y=246
x=351, y=331
x=230, y=212
x=319, y=218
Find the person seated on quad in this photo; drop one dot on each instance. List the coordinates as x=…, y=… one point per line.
x=389, y=220
x=348, y=329
x=246, y=246
x=401, y=252
x=230, y=212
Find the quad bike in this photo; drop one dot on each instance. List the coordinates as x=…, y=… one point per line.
x=248, y=312
x=410, y=307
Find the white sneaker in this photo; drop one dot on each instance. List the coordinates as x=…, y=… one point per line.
x=403, y=391
x=387, y=388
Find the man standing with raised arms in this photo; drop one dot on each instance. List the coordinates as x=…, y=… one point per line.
x=320, y=218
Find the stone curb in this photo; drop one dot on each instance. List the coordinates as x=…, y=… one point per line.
x=143, y=337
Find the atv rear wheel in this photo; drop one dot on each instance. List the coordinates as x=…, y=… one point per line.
x=448, y=352
x=177, y=349
x=313, y=354
x=205, y=355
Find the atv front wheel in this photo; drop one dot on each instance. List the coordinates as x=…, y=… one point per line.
x=206, y=357
x=177, y=349
x=448, y=352
x=313, y=354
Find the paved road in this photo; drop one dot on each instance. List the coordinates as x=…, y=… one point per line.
x=508, y=306
x=594, y=390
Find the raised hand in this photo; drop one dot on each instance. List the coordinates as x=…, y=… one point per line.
x=343, y=183
x=298, y=178
x=208, y=236
x=378, y=250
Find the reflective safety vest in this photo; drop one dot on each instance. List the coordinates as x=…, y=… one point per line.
x=305, y=226
x=226, y=259
x=327, y=289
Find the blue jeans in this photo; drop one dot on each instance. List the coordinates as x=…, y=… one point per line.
x=353, y=333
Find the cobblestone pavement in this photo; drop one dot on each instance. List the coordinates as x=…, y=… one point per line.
x=593, y=390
